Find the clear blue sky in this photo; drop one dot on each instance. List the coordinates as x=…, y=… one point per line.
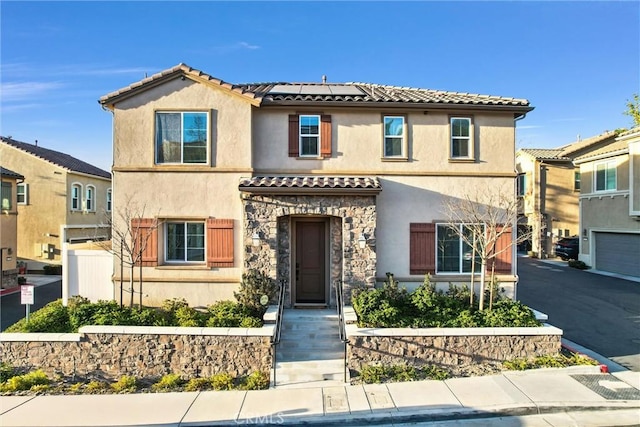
x=577, y=62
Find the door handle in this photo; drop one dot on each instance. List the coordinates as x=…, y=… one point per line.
x=297, y=271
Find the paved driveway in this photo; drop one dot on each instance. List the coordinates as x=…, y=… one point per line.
x=11, y=310
x=598, y=312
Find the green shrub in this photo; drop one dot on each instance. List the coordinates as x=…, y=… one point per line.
x=6, y=371
x=580, y=265
x=125, y=384
x=254, y=286
x=96, y=386
x=226, y=314
x=53, y=317
x=25, y=382
x=251, y=322
x=375, y=374
x=189, y=317
x=560, y=360
x=168, y=382
x=255, y=381
x=198, y=384
x=222, y=381
x=384, y=307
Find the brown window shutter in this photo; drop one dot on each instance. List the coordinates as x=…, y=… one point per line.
x=325, y=136
x=503, y=247
x=294, y=138
x=219, y=242
x=144, y=231
x=422, y=248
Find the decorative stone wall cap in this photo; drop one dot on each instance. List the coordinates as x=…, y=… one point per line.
x=265, y=331
x=38, y=336
x=350, y=316
x=271, y=315
x=546, y=329
x=540, y=316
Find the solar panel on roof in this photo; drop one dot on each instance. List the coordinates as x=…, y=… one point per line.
x=286, y=89
x=319, y=89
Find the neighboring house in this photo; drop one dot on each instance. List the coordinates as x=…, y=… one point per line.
x=62, y=199
x=309, y=182
x=610, y=206
x=548, y=186
x=9, y=227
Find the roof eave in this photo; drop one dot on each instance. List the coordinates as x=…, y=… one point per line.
x=601, y=156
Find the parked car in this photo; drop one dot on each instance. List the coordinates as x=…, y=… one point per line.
x=568, y=248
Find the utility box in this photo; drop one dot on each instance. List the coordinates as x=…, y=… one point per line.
x=45, y=250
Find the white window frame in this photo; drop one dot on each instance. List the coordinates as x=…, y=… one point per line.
x=78, y=186
x=90, y=200
x=25, y=193
x=608, y=165
x=402, y=138
x=186, y=236
x=460, y=252
x=182, y=113
x=109, y=200
x=309, y=135
x=469, y=139
x=9, y=205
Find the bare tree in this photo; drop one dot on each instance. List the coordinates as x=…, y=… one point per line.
x=131, y=235
x=480, y=221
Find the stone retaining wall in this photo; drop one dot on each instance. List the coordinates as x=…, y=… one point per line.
x=448, y=347
x=113, y=351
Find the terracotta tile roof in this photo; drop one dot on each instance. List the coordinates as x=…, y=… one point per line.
x=310, y=182
x=545, y=153
x=285, y=93
x=9, y=173
x=57, y=158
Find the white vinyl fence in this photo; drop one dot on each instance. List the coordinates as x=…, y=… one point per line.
x=87, y=272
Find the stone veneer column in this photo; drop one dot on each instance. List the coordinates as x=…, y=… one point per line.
x=270, y=217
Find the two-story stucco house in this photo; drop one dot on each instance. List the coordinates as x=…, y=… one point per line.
x=61, y=199
x=549, y=187
x=9, y=227
x=308, y=182
x=610, y=206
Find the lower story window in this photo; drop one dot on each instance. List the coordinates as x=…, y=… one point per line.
x=185, y=241
x=454, y=253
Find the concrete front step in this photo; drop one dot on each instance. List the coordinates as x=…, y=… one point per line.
x=302, y=356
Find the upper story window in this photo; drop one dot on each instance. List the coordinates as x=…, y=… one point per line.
x=7, y=196
x=90, y=203
x=181, y=137
x=461, y=137
x=521, y=185
x=394, y=137
x=76, y=197
x=605, y=176
x=184, y=242
x=309, y=136
x=22, y=191
x=576, y=181
x=109, y=196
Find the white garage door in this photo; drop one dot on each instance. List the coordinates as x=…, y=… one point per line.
x=618, y=253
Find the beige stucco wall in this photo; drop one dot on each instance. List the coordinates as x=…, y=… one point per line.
x=8, y=231
x=357, y=140
x=48, y=206
x=229, y=127
x=634, y=168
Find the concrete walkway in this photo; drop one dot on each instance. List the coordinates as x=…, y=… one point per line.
x=32, y=279
x=557, y=397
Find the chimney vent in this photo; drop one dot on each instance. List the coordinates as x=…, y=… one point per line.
x=324, y=79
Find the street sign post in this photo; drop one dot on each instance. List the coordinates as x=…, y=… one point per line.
x=27, y=297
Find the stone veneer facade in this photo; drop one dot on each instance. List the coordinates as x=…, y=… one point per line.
x=271, y=217
x=449, y=347
x=112, y=351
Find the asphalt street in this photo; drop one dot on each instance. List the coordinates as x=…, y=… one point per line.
x=11, y=310
x=598, y=312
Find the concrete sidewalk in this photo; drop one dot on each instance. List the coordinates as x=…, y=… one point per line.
x=32, y=279
x=558, y=397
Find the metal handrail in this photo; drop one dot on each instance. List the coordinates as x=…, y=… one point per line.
x=342, y=330
x=275, y=340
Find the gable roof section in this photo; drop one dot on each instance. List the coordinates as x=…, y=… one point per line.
x=283, y=93
x=7, y=173
x=57, y=158
x=610, y=150
x=545, y=153
x=178, y=71
x=578, y=148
